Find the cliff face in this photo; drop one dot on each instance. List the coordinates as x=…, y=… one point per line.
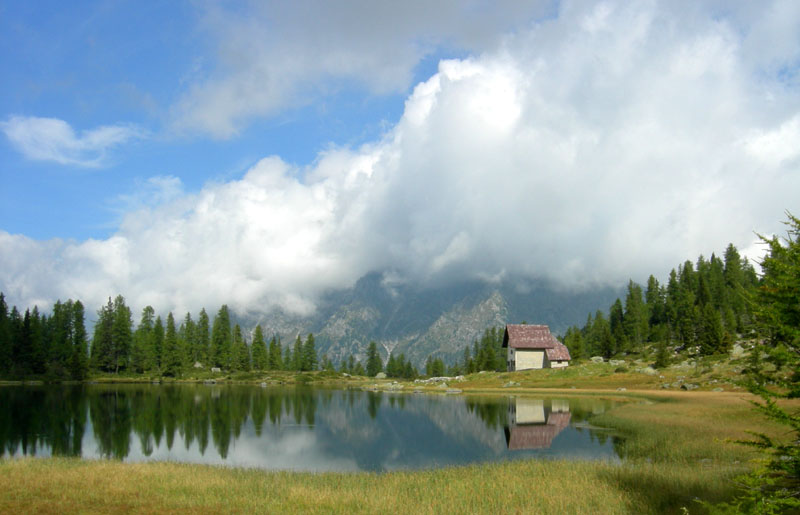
x=419, y=321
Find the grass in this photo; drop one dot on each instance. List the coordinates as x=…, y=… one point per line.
x=71, y=485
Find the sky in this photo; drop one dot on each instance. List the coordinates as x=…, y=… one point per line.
x=187, y=154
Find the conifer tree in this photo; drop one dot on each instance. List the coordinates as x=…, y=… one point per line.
x=170, y=354
x=142, y=339
x=102, y=352
x=5, y=337
x=275, y=352
x=156, y=346
x=187, y=342
x=259, y=348
x=240, y=359
x=79, y=359
x=309, y=361
x=122, y=333
x=374, y=363
x=635, y=317
x=202, y=337
x=221, y=338
x=297, y=355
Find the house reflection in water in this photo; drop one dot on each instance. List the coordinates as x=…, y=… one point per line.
x=534, y=423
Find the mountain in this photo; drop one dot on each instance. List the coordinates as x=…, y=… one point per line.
x=420, y=321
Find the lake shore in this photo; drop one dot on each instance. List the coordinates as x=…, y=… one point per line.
x=677, y=447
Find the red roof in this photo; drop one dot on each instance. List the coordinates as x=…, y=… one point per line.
x=538, y=436
x=524, y=336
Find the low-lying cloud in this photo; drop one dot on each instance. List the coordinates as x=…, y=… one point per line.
x=610, y=142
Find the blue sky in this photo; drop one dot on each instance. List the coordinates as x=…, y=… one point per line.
x=95, y=64
x=186, y=154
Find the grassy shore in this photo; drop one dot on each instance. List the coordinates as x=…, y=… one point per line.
x=676, y=450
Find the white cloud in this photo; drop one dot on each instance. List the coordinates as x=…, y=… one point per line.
x=277, y=55
x=51, y=139
x=593, y=147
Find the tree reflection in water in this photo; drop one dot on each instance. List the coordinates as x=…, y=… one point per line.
x=369, y=430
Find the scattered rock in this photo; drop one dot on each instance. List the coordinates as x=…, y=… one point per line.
x=380, y=375
x=689, y=386
x=622, y=389
x=596, y=359
x=197, y=364
x=216, y=370
x=510, y=384
x=616, y=362
x=665, y=385
x=345, y=374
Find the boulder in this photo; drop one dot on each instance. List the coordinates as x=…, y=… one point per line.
x=616, y=362
x=380, y=375
x=650, y=371
x=597, y=359
x=737, y=351
x=216, y=370
x=197, y=364
x=689, y=386
x=510, y=384
x=622, y=389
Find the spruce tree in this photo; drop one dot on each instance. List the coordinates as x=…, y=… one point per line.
x=170, y=354
x=259, y=347
x=79, y=359
x=297, y=355
x=240, y=359
x=5, y=337
x=122, y=334
x=221, y=338
x=309, y=361
x=275, y=352
x=102, y=351
x=374, y=363
x=202, y=337
x=142, y=337
x=156, y=346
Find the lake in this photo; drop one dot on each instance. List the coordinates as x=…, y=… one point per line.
x=298, y=428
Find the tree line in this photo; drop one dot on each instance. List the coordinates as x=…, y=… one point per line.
x=704, y=305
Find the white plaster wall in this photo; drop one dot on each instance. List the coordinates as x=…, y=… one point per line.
x=527, y=359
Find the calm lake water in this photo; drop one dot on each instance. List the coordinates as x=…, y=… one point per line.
x=294, y=428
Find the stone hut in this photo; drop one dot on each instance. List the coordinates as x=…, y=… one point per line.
x=532, y=346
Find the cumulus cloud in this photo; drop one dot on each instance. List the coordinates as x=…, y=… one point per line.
x=612, y=141
x=51, y=139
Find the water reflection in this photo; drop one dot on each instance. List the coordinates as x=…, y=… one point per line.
x=534, y=423
x=290, y=428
